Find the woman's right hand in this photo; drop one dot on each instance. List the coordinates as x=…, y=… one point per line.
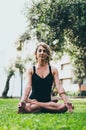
x=22, y=104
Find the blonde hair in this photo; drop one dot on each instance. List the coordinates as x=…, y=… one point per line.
x=48, y=50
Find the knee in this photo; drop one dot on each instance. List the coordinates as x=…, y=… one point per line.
x=24, y=108
x=64, y=109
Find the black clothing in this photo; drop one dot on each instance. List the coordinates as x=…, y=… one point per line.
x=41, y=87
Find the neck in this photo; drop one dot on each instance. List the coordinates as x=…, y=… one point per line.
x=42, y=64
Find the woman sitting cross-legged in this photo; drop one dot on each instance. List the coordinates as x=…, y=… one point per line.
x=37, y=94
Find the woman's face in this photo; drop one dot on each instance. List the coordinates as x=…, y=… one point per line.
x=41, y=53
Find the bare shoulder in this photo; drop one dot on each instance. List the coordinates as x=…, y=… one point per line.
x=30, y=70
x=54, y=69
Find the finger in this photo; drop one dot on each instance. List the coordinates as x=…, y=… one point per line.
x=19, y=105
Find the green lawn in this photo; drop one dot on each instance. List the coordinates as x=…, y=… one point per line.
x=10, y=120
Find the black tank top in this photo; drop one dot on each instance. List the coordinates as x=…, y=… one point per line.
x=41, y=87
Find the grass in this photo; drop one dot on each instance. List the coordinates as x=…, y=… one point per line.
x=10, y=120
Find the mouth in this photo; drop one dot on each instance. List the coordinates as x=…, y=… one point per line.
x=42, y=56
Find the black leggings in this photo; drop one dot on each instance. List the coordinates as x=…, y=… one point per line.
x=54, y=111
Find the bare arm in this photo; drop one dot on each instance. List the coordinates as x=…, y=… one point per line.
x=28, y=86
x=60, y=89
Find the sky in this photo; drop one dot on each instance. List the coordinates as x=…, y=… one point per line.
x=12, y=25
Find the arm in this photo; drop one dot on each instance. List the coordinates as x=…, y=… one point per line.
x=61, y=91
x=28, y=86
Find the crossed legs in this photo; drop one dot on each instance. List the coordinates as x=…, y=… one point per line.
x=33, y=106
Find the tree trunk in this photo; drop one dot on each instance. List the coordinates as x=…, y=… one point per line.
x=4, y=93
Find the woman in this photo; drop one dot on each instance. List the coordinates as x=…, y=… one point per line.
x=40, y=80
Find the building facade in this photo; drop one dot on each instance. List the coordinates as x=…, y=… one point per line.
x=66, y=74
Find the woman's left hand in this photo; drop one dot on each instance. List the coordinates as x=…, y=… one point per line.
x=69, y=106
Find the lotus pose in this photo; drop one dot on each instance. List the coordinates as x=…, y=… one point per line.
x=37, y=94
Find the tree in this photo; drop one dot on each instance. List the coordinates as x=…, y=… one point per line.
x=15, y=65
x=62, y=24
x=10, y=73
x=18, y=64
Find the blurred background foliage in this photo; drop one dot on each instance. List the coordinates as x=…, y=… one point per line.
x=62, y=25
